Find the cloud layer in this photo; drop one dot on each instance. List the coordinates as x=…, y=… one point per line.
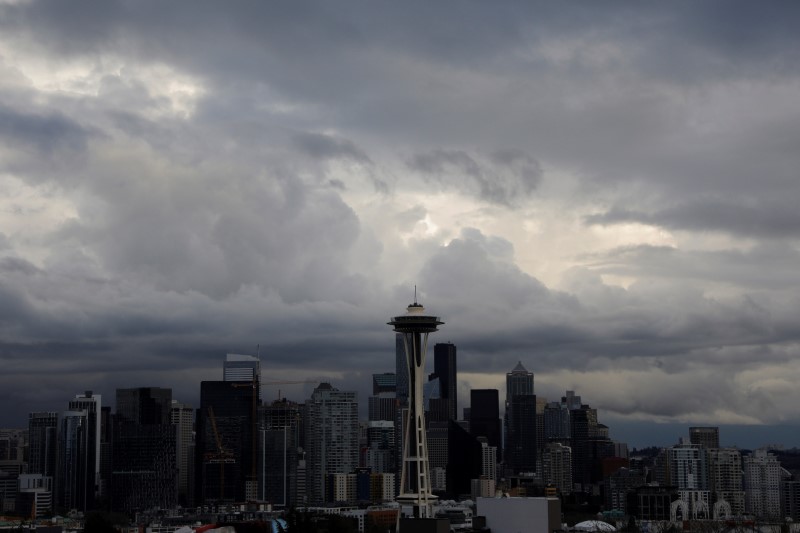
x=607, y=194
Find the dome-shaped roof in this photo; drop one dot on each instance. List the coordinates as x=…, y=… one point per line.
x=594, y=525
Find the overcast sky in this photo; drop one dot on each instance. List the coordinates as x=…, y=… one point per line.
x=605, y=191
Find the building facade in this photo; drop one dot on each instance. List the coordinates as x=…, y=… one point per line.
x=332, y=438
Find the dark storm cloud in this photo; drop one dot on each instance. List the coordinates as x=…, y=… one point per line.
x=779, y=219
x=191, y=229
x=766, y=266
x=321, y=146
x=43, y=133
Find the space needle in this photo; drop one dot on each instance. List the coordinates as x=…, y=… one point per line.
x=415, y=479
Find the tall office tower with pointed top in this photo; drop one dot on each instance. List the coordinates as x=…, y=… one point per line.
x=415, y=482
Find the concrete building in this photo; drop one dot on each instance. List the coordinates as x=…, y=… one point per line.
x=331, y=438
x=725, y=478
x=182, y=417
x=557, y=467
x=762, y=485
x=619, y=485
x=707, y=437
x=688, y=467
x=35, y=496
x=510, y=515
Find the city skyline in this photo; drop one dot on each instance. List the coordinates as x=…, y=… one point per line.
x=601, y=192
x=655, y=434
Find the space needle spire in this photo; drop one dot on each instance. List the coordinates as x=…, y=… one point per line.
x=415, y=479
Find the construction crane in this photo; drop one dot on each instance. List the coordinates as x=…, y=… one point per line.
x=221, y=456
x=289, y=382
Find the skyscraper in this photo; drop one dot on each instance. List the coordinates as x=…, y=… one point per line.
x=238, y=367
x=444, y=367
x=331, y=438
x=520, y=415
x=762, y=484
x=91, y=403
x=688, y=467
x=521, y=449
x=401, y=371
x=144, y=467
x=519, y=382
x=224, y=453
x=42, y=442
x=707, y=437
x=484, y=418
x=280, y=438
x=557, y=466
x=72, y=468
x=182, y=417
x=725, y=478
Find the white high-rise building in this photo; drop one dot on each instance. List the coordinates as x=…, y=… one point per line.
x=238, y=367
x=688, y=467
x=182, y=416
x=332, y=438
x=557, y=467
x=488, y=459
x=725, y=478
x=762, y=485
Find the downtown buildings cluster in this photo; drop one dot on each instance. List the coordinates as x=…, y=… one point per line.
x=155, y=452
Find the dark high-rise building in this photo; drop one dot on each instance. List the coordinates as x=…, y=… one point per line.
x=224, y=453
x=386, y=382
x=72, y=470
x=401, y=374
x=519, y=382
x=182, y=417
x=464, y=460
x=484, y=419
x=144, y=471
x=520, y=454
x=106, y=438
x=582, y=429
x=280, y=439
x=707, y=437
x=91, y=404
x=520, y=416
x=444, y=367
x=42, y=439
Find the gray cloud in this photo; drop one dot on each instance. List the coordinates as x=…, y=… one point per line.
x=42, y=133
x=142, y=239
x=515, y=175
x=778, y=219
x=321, y=146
